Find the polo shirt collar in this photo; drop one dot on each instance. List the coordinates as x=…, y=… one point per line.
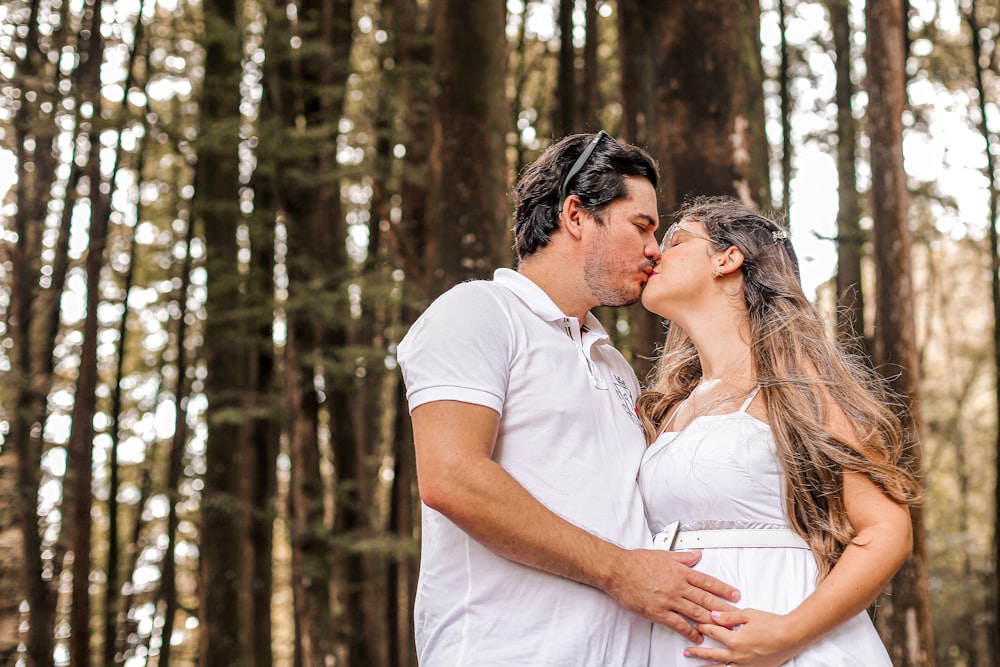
x=540, y=303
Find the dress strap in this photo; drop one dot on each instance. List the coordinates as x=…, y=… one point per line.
x=753, y=395
x=676, y=410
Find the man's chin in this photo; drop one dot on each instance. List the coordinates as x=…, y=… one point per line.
x=621, y=300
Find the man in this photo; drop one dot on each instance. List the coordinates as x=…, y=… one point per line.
x=535, y=544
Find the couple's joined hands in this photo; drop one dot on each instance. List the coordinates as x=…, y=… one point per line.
x=664, y=587
x=752, y=638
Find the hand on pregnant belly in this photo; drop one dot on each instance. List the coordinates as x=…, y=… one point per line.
x=754, y=639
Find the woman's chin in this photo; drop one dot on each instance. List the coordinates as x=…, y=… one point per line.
x=652, y=304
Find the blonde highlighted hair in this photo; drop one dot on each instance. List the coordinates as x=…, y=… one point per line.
x=803, y=376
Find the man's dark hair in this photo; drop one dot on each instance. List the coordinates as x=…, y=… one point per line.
x=600, y=181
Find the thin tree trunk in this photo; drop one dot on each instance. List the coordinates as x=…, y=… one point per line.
x=112, y=592
x=405, y=517
x=786, y=114
x=519, y=79
x=77, y=494
x=904, y=617
x=225, y=603
x=168, y=586
x=971, y=16
x=565, y=121
x=30, y=353
x=135, y=539
x=407, y=240
x=265, y=432
x=591, y=76
x=11, y=557
x=112, y=589
x=850, y=238
x=374, y=402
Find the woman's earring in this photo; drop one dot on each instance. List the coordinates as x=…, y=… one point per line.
x=716, y=273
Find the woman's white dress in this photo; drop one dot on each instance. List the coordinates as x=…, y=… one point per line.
x=722, y=471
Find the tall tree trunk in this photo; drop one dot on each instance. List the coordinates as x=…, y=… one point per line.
x=77, y=495
x=591, y=77
x=565, y=121
x=168, y=586
x=306, y=99
x=709, y=102
x=264, y=434
x=407, y=239
x=904, y=616
x=519, y=82
x=467, y=226
x=225, y=602
x=636, y=62
x=638, y=75
x=786, y=117
x=404, y=520
x=708, y=133
x=850, y=238
x=11, y=557
x=112, y=588
x=971, y=16
x=31, y=351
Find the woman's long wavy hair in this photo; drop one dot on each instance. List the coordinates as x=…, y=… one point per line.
x=802, y=375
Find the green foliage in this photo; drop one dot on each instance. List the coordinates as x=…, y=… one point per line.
x=282, y=149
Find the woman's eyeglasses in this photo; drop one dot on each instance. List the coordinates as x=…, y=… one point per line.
x=668, y=238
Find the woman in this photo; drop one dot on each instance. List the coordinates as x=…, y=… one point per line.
x=777, y=453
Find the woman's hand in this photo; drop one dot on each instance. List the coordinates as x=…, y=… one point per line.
x=753, y=638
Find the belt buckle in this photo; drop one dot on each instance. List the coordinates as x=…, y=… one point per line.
x=665, y=539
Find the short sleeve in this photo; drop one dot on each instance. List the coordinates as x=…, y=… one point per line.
x=459, y=349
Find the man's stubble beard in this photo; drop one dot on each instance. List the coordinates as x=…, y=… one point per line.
x=601, y=280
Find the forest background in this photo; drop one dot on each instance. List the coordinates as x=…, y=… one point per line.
x=221, y=216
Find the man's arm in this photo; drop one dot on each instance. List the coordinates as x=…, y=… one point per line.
x=457, y=477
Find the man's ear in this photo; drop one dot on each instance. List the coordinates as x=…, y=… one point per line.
x=571, y=218
x=729, y=260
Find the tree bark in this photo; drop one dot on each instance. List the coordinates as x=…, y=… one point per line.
x=638, y=76
x=786, y=114
x=708, y=128
x=971, y=16
x=225, y=603
x=168, y=586
x=77, y=494
x=467, y=221
x=112, y=588
x=407, y=240
x=31, y=351
x=591, y=75
x=904, y=615
x=565, y=122
x=850, y=237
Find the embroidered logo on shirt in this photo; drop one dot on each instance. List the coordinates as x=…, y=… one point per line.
x=626, y=399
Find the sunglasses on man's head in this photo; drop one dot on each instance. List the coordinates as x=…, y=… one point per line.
x=578, y=165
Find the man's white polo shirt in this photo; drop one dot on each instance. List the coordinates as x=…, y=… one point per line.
x=569, y=435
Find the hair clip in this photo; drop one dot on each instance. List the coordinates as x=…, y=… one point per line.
x=779, y=236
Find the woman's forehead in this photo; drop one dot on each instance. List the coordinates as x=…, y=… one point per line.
x=691, y=223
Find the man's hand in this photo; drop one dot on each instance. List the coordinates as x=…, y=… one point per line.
x=663, y=587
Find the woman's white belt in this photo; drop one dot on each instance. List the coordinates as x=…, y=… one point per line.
x=723, y=538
